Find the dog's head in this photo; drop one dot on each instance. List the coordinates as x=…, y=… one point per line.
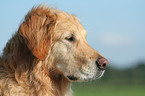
x=59, y=36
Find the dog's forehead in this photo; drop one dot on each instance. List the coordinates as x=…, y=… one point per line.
x=70, y=24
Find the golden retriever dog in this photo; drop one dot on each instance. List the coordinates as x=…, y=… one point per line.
x=46, y=54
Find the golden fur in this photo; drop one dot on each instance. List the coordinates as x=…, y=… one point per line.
x=40, y=55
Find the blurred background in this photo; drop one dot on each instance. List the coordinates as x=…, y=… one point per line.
x=116, y=28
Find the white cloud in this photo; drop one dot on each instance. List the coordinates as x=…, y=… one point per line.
x=116, y=40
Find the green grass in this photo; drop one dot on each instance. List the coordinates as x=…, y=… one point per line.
x=109, y=91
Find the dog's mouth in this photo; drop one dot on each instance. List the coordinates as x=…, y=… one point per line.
x=85, y=77
x=72, y=78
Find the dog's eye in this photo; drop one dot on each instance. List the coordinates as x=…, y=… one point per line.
x=70, y=38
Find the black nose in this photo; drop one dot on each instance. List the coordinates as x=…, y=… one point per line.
x=102, y=63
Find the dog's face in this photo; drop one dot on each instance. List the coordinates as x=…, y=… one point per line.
x=73, y=56
x=62, y=37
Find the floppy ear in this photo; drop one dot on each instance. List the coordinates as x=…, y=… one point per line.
x=36, y=31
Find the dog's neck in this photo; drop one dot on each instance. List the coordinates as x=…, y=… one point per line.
x=16, y=53
x=28, y=70
x=54, y=83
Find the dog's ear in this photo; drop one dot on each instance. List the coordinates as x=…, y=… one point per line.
x=36, y=31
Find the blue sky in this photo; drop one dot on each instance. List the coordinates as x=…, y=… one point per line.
x=116, y=28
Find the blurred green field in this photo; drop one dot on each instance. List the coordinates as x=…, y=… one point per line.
x=109, y=91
